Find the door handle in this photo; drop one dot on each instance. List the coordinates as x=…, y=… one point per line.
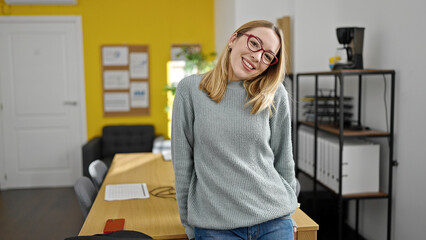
x=72, y=103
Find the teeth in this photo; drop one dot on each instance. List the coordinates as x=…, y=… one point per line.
x=247, y=64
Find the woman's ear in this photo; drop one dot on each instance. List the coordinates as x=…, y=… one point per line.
x=232, y=40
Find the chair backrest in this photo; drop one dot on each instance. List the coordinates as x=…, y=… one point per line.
x=97, y=171
x=127, y=139
x=86, y=194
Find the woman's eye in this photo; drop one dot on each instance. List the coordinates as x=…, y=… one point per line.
x=268, y=57
x=254, y=43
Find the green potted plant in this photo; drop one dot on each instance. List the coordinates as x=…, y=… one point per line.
x=195, y=63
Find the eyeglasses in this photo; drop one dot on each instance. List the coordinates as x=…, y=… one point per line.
x=254, y=44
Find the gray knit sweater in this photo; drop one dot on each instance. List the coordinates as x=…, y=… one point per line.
x=232, y=169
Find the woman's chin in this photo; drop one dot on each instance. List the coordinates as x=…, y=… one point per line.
x=243, y=75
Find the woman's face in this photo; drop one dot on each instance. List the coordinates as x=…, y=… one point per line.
x=245, y=64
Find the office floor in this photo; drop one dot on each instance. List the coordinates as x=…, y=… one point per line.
x=51, y=213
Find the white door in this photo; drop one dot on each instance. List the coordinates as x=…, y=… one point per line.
x=42, y=98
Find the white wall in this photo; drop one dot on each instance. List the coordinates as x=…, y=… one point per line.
x=231, y=14
x=314, y=35
x=394, y=39
x=248, y=10
x=224, y=22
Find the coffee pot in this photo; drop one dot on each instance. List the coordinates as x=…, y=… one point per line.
x=350, y=54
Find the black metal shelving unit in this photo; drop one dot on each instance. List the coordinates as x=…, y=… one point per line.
x=342, y=134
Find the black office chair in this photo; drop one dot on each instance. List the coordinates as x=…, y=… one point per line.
x=97, y=171
x=86, y=194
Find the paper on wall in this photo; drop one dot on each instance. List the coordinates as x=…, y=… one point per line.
x=139, y=65
x=115, y=56
x=139, y=94
x=116, y=79
x=116, y=102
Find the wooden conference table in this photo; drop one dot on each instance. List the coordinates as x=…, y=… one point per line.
x=155, y=216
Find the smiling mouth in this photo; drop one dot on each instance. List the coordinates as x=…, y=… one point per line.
x=247, y=64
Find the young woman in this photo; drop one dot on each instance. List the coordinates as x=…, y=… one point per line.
x=231, y=142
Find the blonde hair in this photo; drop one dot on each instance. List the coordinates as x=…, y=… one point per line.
x=260, y=89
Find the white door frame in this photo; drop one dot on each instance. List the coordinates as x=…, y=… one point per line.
x=76, y=20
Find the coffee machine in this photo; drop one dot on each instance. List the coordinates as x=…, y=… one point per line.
x=352, y=39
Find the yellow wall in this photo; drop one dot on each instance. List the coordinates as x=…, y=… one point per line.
x=157, y=23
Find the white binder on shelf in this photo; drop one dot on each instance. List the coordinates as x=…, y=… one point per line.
x=320, y=160
x=360, y=162
x=300, y=145
x=305, y=150
x=334, y=159
x=360, y=167
x=310, y=154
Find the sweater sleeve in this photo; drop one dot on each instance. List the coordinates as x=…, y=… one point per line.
x=281, y=144
x=182, y=153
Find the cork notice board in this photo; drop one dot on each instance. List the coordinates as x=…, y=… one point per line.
x=125, y=80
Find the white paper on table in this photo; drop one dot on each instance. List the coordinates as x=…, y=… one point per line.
x=116, y=79
x=139, y=95
x=115, y=56
x=116, y=102
x=126, y=191
x=139, y=65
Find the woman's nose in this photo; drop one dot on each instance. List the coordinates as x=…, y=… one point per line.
x=257, y=56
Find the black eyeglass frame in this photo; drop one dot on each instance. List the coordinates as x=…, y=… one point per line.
x=275, y=61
